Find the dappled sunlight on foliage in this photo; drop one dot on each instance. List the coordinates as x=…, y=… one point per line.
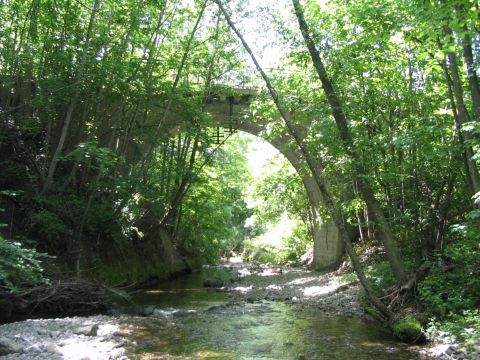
x=20, y=267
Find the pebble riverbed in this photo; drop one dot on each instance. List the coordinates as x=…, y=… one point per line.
x=103, y=337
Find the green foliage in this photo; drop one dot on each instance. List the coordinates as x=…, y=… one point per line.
x=279, y=199
x=281, y=191
x=270, y=255
x=263, y=253
x=50, y=224
x=463, y=326
x=129, y=153
x=289, y=252
x=297, y=244
x=348, y=277
x=408, y=329
x=380, y=275
x=444, y=292
x=453, y=285
x=19, y=266
x=214, y=211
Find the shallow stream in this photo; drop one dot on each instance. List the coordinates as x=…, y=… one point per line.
x=192, y=322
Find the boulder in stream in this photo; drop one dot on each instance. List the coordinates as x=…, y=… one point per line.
x=87, y=330
x=9, y=346
x=213, y=282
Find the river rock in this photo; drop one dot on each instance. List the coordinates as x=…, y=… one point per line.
x=52, y=349
x=213, y=282
x=87, y=330
x=33, y=349
x=8, y=346
x=342, y=288
x=148, y=311
x=217, y=308
x=117, y=353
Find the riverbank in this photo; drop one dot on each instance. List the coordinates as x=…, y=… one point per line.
x=94, y=337
x=254, y=290
x=332, y=294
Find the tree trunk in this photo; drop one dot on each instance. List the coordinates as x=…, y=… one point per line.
x=472, y=76
x=182, y=188
x=73, y=102
x=376, y=214
x=463, y=117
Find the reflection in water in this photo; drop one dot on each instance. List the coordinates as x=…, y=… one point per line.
x=184, y=292
x=264, y=330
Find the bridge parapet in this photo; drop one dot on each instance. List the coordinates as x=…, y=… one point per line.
x=248, y=79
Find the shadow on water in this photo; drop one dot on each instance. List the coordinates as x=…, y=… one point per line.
x=196, y=323
x=184, y=292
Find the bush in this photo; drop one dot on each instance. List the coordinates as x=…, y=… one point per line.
x=453, y=285
x=297, y=243
x=19, y=267
x=380, y=275
x=456, y=327
x=348, y=277
x=264, y=253
x=290, y=250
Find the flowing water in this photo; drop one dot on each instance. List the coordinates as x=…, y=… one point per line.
x=191, y=322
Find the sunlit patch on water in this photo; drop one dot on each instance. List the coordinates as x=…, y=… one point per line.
x=192, y=322
x=266, y=330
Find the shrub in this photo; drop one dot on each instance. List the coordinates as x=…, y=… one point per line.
x=453, y=285
x=348, y=277
x=456, y=327
x=380, y=275
x=19, y=266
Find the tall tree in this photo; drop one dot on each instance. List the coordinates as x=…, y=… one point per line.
x=73, y=103
x=359, y=175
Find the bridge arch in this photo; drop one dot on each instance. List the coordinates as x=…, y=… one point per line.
x=233, y=110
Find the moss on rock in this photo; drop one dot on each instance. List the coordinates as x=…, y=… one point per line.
x=408, y=329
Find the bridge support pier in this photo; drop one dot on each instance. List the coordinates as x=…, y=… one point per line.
x=328, y=246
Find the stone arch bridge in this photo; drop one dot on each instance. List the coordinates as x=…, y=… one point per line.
x=230, y=110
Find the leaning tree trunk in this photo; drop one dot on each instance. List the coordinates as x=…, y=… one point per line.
x=384, y=231
x=463, y=117
x=73, y=102
x=329, y=203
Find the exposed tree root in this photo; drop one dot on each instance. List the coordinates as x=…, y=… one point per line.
x=399, y=296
